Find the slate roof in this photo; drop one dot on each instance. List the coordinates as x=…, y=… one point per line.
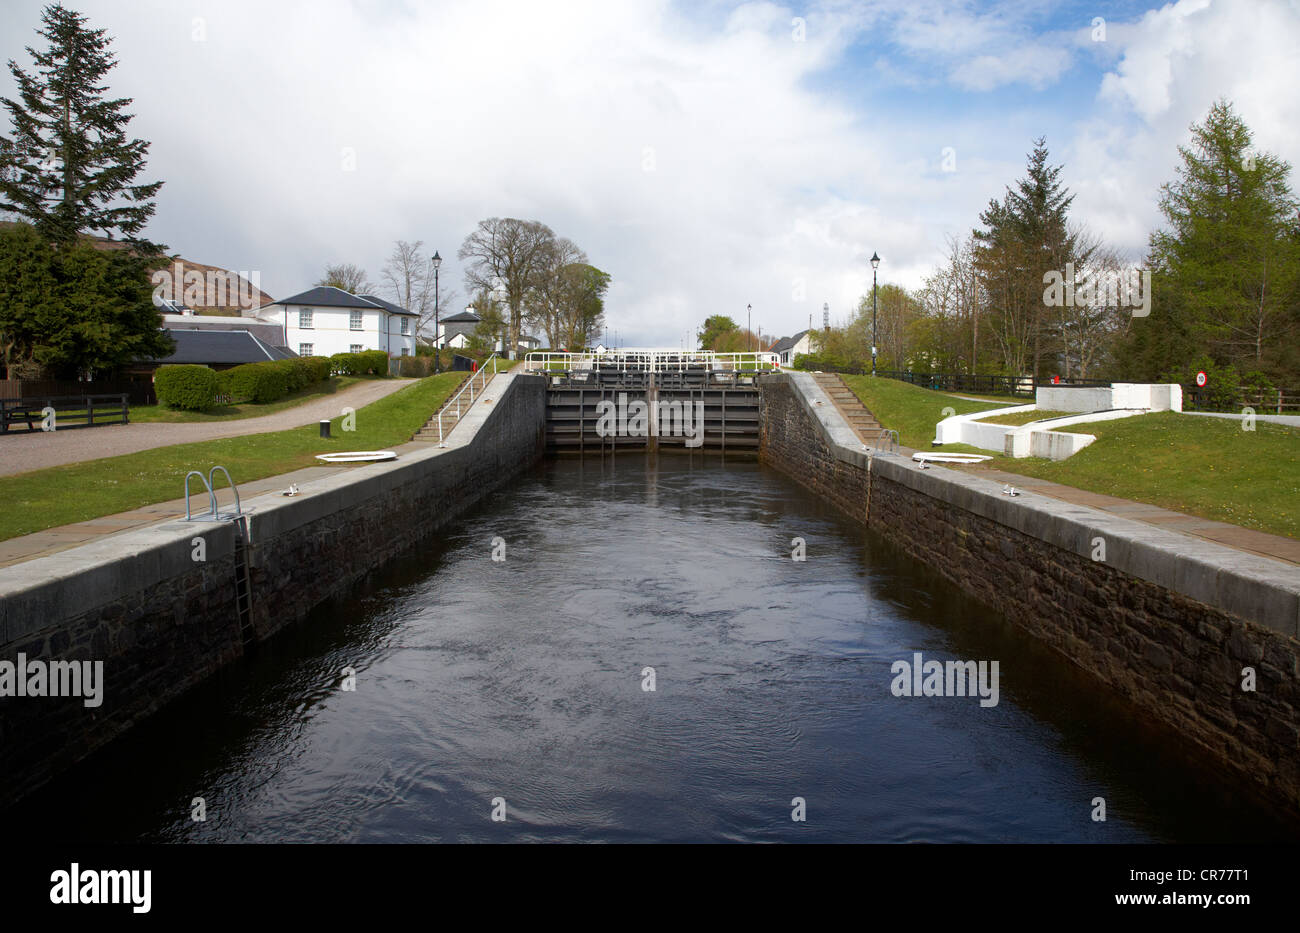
x=464, y=317
x=389, y=306
x=221, y=347
x=267, y=333
x=786, y=343
x=327, y=296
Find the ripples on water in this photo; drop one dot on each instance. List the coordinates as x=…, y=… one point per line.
x=522, y=679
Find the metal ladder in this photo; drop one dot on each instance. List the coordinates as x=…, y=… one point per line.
x=887, y=441
x=243, y=584
x=243, y=579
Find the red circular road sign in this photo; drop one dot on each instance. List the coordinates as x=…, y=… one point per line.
x=1202, y=379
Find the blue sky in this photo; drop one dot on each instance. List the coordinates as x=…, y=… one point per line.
x=707, y=156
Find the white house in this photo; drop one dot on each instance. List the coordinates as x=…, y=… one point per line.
x=787, y=348
x=326, y=320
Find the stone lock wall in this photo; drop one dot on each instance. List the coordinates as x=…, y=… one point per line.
x=1166, y=622
x=161, y=622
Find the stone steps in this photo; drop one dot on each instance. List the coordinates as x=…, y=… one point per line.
x=862, y=421
x=429, y=433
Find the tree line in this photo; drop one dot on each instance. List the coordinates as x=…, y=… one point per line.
x=519, y=273
x=1031, y=291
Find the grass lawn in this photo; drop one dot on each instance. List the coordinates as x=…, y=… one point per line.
x=1202, y=466
x=912, y=411
x=160, y=413
x=79, y=491
x=1018, y=418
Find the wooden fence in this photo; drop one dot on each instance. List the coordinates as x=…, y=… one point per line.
x=70, y=411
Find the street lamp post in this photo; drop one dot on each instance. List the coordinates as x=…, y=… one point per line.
x=749, y=314
x=875, y=263
x=437, y=350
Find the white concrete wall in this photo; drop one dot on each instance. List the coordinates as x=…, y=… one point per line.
x=964, y=429
x=1149, y=396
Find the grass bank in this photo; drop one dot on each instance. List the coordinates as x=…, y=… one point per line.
x=1201, y=466
x=81, y=491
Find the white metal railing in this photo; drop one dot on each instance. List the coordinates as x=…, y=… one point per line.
x=457, y=399
x=653, y=361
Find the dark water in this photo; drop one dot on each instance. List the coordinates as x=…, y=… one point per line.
x=522, y=679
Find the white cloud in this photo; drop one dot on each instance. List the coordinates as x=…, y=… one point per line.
x=1174, y=63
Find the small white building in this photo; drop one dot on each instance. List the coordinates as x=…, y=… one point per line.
x=787, y=348
x=326, y=320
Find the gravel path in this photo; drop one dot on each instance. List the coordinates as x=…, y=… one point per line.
x=21, y=451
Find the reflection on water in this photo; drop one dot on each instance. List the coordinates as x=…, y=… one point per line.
x=522, y=679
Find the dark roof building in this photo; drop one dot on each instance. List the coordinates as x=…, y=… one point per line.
x=267, y=333
x=220, y=349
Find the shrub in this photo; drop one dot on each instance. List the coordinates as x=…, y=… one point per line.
x=416, y=366
x=256, y=382
x=348, y=364
x=193, y=388
x=375, y=361
x=296, y=372
x=320, y=368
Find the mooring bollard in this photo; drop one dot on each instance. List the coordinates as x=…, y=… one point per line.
x=324, y=427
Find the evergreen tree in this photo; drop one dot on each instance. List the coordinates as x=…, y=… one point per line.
x=70, y=167
x=74, y=309
x=1024, y=236
x=1226, y=269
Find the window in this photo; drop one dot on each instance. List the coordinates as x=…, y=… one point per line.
x=354, y=348
x=304, y=318
x=406, y=325
x=406, y=351
x=304, y=349
x=354, y=320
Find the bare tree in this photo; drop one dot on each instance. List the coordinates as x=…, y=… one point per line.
x=506, y=253
x=349, y=277
x=1089, y=323
x=409, y=280
x=547, y=305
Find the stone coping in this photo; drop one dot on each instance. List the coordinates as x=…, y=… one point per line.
x=1247, y=585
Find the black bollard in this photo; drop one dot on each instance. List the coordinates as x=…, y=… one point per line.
x=324, y=427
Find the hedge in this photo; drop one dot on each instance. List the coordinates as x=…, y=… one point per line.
x=193, y=388
x=255, y=382
x=360, y=364
x=274, y=379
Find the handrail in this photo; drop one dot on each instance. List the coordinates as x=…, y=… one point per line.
x=469, y=384
x=212, y=501
x=652, y=360
x=209, y=484
x=890, y=438
x=212, y=487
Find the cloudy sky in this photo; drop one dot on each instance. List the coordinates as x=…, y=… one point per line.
x=707, y=155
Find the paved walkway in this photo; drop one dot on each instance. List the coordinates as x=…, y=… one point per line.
x=1262, y=543
x=22, y=450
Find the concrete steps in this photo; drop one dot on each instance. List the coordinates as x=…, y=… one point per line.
x=429, y=433
x=862, y=421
